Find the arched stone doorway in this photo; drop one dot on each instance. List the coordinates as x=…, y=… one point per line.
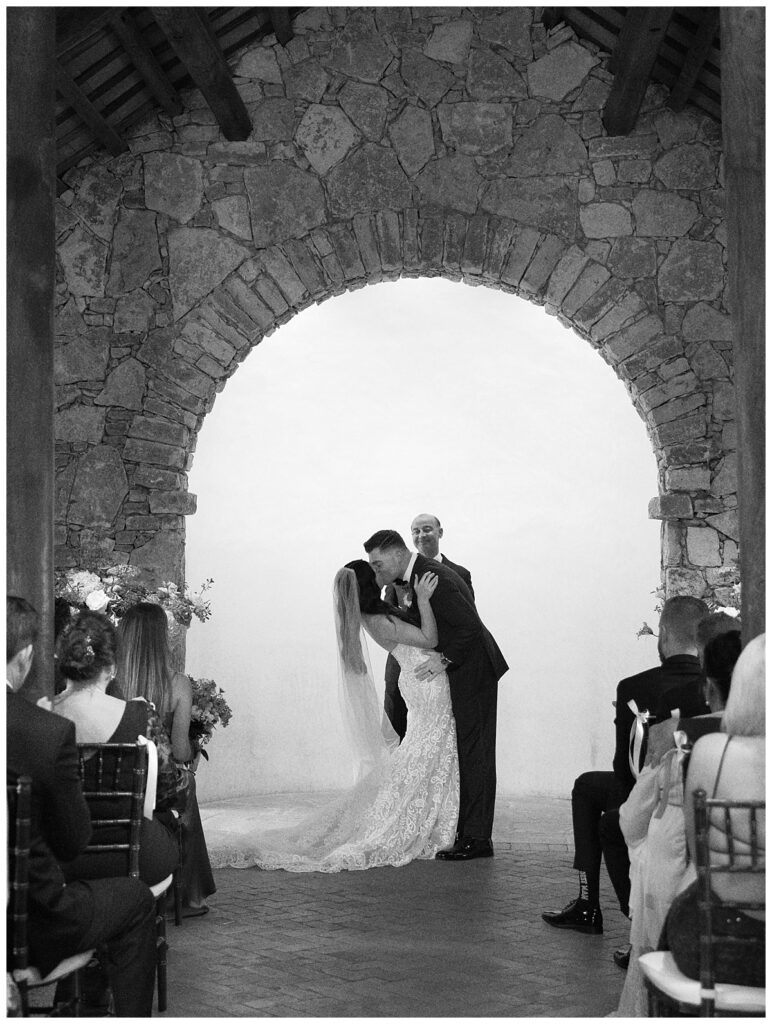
x=453, y=143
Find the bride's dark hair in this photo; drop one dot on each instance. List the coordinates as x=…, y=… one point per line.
x=370, y=601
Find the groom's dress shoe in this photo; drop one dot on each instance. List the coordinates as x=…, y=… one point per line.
x=579, y=916
x=467, y=849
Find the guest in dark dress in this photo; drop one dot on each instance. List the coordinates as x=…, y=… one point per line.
x=145, y=670
x=86, y=654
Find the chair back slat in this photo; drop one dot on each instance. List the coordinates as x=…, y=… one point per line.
x=740, y=857
x=19, y=798
x=115, y=773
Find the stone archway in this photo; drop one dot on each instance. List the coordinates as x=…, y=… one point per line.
x=466, y=144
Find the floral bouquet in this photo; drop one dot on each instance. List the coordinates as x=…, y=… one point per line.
x=116, y=588
x=210, y=709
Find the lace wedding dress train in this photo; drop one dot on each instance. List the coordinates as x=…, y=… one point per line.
x=404, y=809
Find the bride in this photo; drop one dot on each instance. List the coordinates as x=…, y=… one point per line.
x=405, y=805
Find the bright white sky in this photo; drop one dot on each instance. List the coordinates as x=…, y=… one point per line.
x=425, y=396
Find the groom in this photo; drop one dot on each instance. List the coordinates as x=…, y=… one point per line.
x=474, y=663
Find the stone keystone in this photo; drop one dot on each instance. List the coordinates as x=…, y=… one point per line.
x=285, y=202
x=371, y=178
x=325, y=135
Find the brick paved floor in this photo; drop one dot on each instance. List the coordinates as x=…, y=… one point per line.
x=427, y=940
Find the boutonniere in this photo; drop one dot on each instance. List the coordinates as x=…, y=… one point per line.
x=408, y=596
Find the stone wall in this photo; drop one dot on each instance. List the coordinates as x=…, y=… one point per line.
x=461, y=142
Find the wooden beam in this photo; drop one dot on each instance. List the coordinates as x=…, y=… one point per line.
x=633, y=61
x=192, y=39
x=695, y=57
x=282, y=25
x=743, y=125
x=30, y=284
x=85, y=109
x=133, y=42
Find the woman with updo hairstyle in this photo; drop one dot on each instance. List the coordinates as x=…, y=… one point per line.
x=145, y=670
x=86, y=652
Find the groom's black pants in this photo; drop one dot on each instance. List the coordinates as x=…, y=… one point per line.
x=474, y=708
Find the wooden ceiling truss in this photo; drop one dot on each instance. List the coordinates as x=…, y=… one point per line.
x=115, y=65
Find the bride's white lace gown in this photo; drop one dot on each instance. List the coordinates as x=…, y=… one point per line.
x=405, y=809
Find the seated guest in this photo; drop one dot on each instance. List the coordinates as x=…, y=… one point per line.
x=652, y=822
x=145, y=670
x=87, y=655
x=728, y=765
x=596, y=796
x=64, y=919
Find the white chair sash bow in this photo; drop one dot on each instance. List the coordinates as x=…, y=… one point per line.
x=670, y=777
x=152, y=775
x=637, y=733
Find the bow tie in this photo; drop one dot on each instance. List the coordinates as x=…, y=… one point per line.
x=401, y=583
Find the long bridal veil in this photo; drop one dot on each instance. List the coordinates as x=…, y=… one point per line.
x=370, y=734
x=327, y=839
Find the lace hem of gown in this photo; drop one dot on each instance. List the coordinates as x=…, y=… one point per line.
x=405, y=809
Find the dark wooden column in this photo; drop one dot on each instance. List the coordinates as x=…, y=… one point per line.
x=30, y=57
x=742, y=110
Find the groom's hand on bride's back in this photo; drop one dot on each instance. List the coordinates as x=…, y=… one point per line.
x=434, y=664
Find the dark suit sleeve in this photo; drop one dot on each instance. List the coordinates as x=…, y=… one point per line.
x=466, y=576
x=461, y=624
x=66, y=818
x=623, y=722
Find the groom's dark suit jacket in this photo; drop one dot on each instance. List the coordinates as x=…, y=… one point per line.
x=393, y=702
x=476, y=666
x=462, y=636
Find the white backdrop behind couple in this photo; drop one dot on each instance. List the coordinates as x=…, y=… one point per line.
x=527, y=447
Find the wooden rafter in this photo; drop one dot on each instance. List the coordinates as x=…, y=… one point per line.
x=142, y=57
x=86, y=110
x=694, y=59
x=192, y=39
x=282, y=25
x=632, y=63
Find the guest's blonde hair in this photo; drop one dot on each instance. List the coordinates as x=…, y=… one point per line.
x=744, y=714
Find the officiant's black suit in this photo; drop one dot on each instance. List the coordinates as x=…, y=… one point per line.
x=476, y=666
x=393, y=701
